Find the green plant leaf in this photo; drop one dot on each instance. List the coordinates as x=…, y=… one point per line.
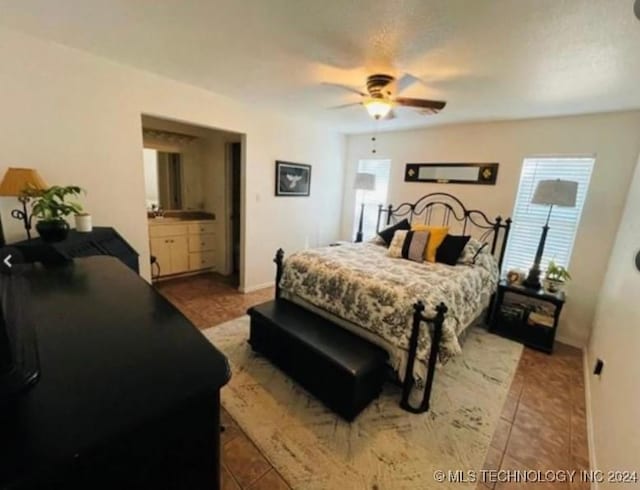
x=51, y=204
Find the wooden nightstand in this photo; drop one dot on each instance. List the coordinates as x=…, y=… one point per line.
x=526, y=315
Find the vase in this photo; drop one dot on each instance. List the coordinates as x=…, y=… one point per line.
x=553, y=286
x=83, y=223
x=53, y=230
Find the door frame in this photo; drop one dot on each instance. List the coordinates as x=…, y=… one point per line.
x=228, y=222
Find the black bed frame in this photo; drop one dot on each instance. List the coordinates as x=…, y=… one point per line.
x=445, y=208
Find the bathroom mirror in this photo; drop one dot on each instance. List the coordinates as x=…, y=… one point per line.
x=163, y=179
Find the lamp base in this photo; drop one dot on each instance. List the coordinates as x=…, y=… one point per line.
x=533, y=279
x=359, y=234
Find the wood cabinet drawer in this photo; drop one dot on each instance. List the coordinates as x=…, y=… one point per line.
x=167, y=230
x=201, y=260
x=199, y=243
x=199, y=228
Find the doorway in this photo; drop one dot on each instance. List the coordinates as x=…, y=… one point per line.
x=235, y=163
x=193, y=185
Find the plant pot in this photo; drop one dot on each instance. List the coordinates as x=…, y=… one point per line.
x=553, y=286
x=53, y=231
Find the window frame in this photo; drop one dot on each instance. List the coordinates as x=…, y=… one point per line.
x=584, y=180
x=371, y=204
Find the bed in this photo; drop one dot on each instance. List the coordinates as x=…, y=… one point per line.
x=389, y=301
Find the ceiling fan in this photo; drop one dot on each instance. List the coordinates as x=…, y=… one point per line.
x=379, y=100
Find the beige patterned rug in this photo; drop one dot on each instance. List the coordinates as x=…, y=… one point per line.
x=385, y=448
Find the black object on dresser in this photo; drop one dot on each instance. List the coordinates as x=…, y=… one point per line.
x=344, y=371
x=527, y=315
x=129, y=390
x=100, y=241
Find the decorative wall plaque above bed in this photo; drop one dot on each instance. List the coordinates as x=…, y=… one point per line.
x=452, y=173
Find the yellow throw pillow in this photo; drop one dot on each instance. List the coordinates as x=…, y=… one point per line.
x=436, y=237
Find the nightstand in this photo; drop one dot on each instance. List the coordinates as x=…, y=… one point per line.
x=526, y=315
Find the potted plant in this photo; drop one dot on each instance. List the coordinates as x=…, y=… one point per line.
x=556, y=278
x=50, y=207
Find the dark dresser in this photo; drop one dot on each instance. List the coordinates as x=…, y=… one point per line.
x=102, y=240
x=128, y=395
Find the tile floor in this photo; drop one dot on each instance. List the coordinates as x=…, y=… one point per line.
x=542, y=425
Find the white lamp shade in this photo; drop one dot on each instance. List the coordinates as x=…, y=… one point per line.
x=556, y=192
x=365, y=182
x=378, y=108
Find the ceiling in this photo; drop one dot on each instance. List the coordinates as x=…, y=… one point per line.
x=499, y=59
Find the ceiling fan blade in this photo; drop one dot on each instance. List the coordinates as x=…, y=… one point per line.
x=431, y=105
x=404, y=82
x=342, y=106
x=427, y=112
x=345, y=87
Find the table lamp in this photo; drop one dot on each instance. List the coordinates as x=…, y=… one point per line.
x=364, y=182
x=14, y=183
x=550, y=193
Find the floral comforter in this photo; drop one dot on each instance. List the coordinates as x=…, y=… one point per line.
x=360, y=283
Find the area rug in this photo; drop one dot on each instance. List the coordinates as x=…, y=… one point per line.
x=385, y=448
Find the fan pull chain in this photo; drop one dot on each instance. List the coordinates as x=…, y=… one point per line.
x=374, y=138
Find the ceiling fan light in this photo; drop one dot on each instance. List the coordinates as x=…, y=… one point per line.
x=378, y=108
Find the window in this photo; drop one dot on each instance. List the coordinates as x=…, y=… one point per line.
x=371, y=199
x=528, y=219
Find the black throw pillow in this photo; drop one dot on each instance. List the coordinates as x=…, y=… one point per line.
x=451, y=248
x=387, y=233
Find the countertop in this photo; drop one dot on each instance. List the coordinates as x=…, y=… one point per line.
x=177, y=221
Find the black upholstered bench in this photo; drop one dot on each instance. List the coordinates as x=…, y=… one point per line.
x=344, y=371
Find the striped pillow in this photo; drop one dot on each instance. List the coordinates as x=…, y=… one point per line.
x=408, y=244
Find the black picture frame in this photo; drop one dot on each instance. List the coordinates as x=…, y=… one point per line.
x=293, y=179
x=487, y=173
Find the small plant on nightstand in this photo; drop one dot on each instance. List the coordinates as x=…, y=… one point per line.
x=50, y=206
x=556, y=278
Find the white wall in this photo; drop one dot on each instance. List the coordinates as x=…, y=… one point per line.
x=76, y=118
x=613, y=138
x=193, y=169
x=215, y=197
x=615, y=397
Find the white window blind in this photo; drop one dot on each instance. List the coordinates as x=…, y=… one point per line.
x=371, y=199
x=528, y=219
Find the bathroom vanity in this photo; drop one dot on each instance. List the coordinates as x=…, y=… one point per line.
x=182, y=245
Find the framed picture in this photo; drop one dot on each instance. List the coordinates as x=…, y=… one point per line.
x=452, y=173
x=293, y=179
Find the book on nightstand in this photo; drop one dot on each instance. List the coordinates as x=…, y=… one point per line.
x=540, y=320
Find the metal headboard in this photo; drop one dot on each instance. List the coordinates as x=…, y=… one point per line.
x=440, y=208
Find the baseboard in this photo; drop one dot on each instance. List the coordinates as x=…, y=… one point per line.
x=571, y=342
x=589, y=415
x=251, y=289
x=168, y=277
